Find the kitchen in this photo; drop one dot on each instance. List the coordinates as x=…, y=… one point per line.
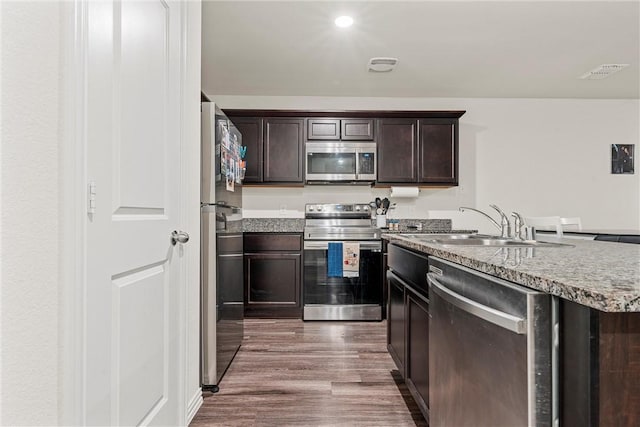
x=503, y=139
x=534, y=137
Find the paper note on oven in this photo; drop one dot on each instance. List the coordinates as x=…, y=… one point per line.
x=350, y=259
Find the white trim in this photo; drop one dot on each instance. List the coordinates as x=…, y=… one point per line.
x=72, y=223
x=190, y=68
x=195, y=403
x=183, y=305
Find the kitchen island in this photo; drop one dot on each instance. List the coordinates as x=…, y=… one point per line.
x=598, y=285
x=600, y=275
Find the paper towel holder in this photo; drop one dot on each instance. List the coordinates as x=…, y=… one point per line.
x=405, y=192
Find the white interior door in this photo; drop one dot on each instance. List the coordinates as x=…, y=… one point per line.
x=133, y=338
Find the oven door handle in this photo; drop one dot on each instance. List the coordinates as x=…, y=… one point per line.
x=375, y=246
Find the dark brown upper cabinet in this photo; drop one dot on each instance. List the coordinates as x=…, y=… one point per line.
x=252, y=130
x=423, y=151
x=340, y=129
x=283, y=150
x=414, y=147
x=397, y=151
x=438, y=151
x=323, y=129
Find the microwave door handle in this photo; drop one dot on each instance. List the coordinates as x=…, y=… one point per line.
x=357, y=163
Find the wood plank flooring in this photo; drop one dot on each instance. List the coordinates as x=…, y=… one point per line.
x=294, y=373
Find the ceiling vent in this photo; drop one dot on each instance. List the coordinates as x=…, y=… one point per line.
x=382, y=65
x=603, y=71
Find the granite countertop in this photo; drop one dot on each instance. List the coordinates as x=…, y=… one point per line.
x=296, y=225
x=601, y=275
x=273, y=225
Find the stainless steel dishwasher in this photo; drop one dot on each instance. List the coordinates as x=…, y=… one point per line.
x=492, y=353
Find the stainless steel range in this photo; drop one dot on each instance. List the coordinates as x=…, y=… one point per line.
x=335, y=286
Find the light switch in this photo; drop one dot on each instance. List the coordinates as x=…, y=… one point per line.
x=91, y=199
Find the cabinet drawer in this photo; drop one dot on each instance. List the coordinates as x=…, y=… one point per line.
x=229, y=243
x=262, y=242
x=411, y=266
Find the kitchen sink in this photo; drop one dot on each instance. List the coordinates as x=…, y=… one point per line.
x=499, y=242
x=429, y=237
x=466, y=239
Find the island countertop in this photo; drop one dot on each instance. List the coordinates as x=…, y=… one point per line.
x=601, y=275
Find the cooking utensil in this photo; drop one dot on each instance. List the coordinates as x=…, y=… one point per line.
x=379, y=211
x=378, y=202
x=385, y=205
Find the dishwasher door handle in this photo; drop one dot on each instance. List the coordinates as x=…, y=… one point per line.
x=499, y=318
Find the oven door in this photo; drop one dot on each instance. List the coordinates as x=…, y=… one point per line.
x=342, y=298
x=330, y=162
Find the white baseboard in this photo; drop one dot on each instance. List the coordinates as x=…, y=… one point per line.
x=194, y=405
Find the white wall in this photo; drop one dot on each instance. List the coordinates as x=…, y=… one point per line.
x=29, y=193
x=536, y=156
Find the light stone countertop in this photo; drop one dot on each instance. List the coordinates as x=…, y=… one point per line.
x=601, y=275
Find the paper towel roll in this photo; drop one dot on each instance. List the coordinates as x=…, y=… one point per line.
x=408, y=192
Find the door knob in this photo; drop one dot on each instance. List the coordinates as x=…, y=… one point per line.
x=179, y=236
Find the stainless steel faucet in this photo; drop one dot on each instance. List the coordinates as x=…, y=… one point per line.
x=505, y=226
x=502, y=227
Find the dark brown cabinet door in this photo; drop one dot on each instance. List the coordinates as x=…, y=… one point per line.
x=272, y=279
x=357, y=129
x=417, y=364
x=397, y=151
x=438, y=152
x=252, y=130
x=396, y=323
x=323, y=129
x=283, y=150
x=273, y=275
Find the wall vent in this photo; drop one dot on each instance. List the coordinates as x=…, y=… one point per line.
x=382, y=65
x=603, y=71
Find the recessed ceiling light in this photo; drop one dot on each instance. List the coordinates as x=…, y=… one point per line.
x=344, y=21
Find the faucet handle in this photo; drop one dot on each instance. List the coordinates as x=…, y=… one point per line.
x=506, y=225
x=517, y=225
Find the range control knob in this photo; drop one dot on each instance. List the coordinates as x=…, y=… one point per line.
x=310, y=208
x=366, y=208
x=319, y=207
x=357, y=208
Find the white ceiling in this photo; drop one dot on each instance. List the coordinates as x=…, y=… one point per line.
x=485, y=49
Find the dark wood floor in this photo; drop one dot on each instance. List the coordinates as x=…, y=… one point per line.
x=290, y=372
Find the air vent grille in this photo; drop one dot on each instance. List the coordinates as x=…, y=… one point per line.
x=382, y=65
x=603, y=71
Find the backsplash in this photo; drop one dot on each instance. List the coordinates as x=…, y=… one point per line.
x=261, y=202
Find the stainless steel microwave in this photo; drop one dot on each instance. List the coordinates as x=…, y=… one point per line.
x=340, y=162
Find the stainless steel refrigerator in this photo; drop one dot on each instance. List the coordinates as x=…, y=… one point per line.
x=221, y=276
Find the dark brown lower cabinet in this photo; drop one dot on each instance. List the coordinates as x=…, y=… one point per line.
x=417, y=363
x=273, y=275
x=396, y=323
x=408, y=321
x=599, y=367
